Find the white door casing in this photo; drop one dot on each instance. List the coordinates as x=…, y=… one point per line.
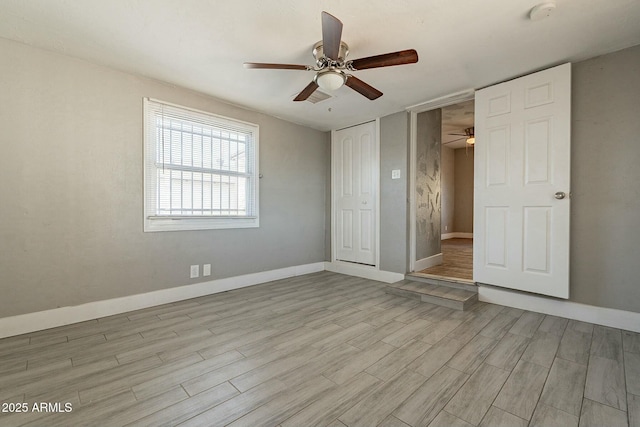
x=354, y=189
x=522, y=171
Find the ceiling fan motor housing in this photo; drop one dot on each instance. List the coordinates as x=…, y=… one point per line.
x=321, y=60
x=330, y=79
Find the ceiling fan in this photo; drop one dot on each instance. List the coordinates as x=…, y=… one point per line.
x=468, y=134
x=332, y=67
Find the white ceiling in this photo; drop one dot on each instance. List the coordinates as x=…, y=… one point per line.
x=201, y=45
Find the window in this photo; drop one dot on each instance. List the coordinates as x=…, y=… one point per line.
x=200, y=170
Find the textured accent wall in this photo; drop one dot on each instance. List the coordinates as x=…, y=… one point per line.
x=428, y=192
x=447, y=179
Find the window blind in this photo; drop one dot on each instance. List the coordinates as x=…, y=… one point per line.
x=198, y=165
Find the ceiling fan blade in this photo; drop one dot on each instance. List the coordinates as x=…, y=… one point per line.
x=455, y=140
x=363, y=88
x=388, y=59
x=275, y=66
x=331, y=35
x=306, y=92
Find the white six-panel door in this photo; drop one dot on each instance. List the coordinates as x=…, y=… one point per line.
x=522, y=167
x=354, y=187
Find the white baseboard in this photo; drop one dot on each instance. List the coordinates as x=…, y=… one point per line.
x=446, y=236
x=365, y=272
x=25, y=323
x=431, y=261
x=31, y=322
x=621, y=319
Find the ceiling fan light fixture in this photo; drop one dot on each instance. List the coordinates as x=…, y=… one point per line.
x=330, y=80
x=471, y=135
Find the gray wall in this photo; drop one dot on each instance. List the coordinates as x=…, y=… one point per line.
x=463, y=217
x=605, y=177
x=447, y=181
x=429, y=143
x=71, y=189
x=394, y=154
x=327, y=203
x=605, y=172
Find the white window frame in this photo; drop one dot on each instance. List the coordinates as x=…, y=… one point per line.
x=154, y=222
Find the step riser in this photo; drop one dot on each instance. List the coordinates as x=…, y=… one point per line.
x=403, y=293
x=444, y=302
x=456, y=305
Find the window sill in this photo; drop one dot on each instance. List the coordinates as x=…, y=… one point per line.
x=155, y=224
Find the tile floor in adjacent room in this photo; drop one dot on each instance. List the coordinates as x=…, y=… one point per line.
x=324, y=349
x=457, y=260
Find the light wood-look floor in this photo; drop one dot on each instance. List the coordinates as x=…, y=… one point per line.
x=457, y=260
x=324, y=349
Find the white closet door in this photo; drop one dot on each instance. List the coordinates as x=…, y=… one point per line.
x=354, y=188
x=522, y=174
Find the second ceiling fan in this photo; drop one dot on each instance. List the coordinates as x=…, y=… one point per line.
x=468, y=136
x=332, y=67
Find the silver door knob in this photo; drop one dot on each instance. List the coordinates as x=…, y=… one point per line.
x=560, y=195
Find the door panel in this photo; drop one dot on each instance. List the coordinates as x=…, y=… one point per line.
x=522, y=156
x=537, y=243
x=537, y=161
x=346, y=163
x=346, y=233
x=365, y=161
x=365, y=231
x=355, y=186
x=538, y=94
x=497, y=224
x=499, y=104
x=498, y=155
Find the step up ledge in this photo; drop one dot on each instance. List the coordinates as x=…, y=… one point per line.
x=457, y=301
x=439, y=281
x=434, y=290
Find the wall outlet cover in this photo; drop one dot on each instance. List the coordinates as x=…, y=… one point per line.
x=206, y=270
x=395, y=174
x=195, y=271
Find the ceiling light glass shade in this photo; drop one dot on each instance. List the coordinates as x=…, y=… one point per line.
x=330, y=80
x=471, y=140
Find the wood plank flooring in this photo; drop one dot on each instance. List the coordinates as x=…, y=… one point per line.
x=457, y=260
x=322, y=349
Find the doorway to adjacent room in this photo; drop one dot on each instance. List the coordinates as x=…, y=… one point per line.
x=444, y=192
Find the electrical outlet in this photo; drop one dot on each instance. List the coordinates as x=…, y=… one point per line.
x=206, y=269
x=446, y=228
x=395, y=174
x=195, y=271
